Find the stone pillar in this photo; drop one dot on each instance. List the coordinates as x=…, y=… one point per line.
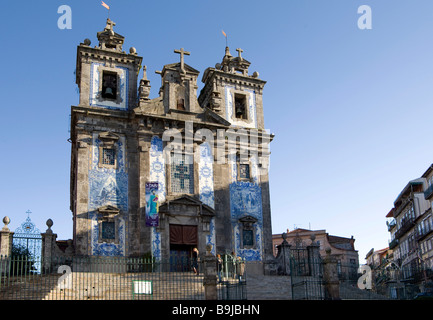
x=330, y=276
x=314, y=257
x=210, y=275
x=282, y=260
x=6, y=238
x=48, y=242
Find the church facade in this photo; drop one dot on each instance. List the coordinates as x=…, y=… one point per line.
x=162, y=176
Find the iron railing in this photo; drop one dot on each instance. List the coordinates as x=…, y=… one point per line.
x=306, y=275
x=108, y=278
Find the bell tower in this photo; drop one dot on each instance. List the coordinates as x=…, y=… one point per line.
x=179, y=86
x=103, y=148
x=236, y=96
x=232, y=93
x=106, y=75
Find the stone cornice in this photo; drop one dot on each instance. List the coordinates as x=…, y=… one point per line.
x=103, y=55
x=87, y=54
x=212, y=73
x=145, y=121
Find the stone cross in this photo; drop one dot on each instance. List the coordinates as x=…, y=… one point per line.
x=239, y=50
x=110, y=24
x=182, y=53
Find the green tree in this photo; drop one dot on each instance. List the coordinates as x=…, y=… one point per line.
x=22, y=261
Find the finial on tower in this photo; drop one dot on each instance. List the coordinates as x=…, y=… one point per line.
x=144, y=73
x=108, y=39
x=144, y=88
x=228, y=52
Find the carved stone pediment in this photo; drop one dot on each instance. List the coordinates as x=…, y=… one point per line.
x=213, y=117
x=108, y=138
x=248, y=221
x=108, y=212
x=186, y=205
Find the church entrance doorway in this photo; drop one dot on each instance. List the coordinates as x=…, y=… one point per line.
x=183, y=240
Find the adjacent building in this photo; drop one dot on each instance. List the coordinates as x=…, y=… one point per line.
x=411, y=234
x=342, y=249
x=376, y=258
x=424, y=233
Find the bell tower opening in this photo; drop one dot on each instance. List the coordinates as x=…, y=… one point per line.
x=109, y=85
x=240, y=106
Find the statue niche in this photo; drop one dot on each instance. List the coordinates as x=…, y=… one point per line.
x=180, y=98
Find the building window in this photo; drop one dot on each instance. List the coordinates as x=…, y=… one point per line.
x=108, y=230
x=248, y=238
x=108, y=150
x=108, y=156
x=243, y=169
x=339, y=268
x=109, y=85
x=247, y=234
x=241, y=106
x=182, y=173
x=108, y=224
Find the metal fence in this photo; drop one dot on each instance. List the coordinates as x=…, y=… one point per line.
x=306, y=275
x=308, y=281
x=404, y=283
x=355, y=284
x=108, y=278
x=231, y=279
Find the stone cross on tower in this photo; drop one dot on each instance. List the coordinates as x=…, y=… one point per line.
x=110, y=24
x=239, y=50
x=182, y=52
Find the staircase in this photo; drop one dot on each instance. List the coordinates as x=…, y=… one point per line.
x=129, y=286
x=30, y=287
x=165, y=286
x=350, y=291
x=260, y=287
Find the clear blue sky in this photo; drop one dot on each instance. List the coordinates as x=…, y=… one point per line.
x=350, y=108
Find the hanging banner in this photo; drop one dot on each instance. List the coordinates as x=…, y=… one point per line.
x=152, y=204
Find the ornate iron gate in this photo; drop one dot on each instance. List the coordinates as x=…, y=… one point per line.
x=306, y=274
x=27, y=240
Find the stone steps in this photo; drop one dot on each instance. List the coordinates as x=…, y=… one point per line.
x=34, y=287
x=115, y=286
x=165, y=286
x=260, y=287
x=350, y=291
